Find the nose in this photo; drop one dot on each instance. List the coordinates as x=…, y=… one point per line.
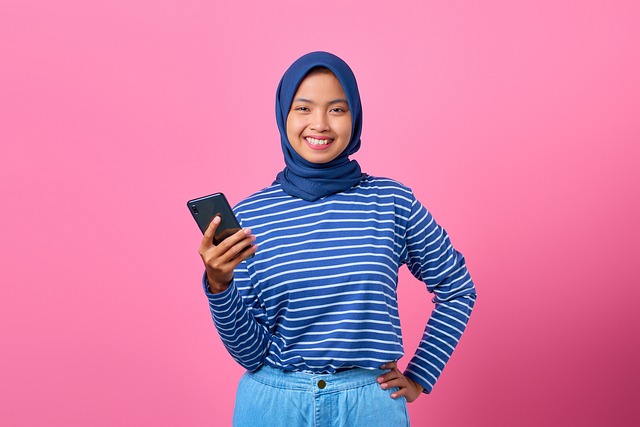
x=320, y=122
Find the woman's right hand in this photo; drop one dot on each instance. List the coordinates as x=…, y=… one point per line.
x=221, y=260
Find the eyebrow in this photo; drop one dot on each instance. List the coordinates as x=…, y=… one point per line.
x=335, y=101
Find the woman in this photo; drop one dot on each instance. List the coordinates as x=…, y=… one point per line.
x=312, y=314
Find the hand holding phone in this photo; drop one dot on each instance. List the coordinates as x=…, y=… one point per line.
x=224, y=243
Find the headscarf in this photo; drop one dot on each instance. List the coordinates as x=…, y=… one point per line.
x=304, y=179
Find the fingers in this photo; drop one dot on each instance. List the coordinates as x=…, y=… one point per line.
x=396, y=379
x=207, y=237
x=243, y=253
x=396, y=382
x=393, y=373
x=389, y=365
x=231, y=247
x=391, y=378
x=221, y=260
x=405, y=387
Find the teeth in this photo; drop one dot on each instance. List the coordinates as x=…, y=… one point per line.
x=318, y=141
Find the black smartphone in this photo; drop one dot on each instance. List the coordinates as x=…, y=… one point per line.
x=205, y=208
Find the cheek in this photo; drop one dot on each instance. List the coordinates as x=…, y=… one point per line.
x=294, y=127
x=290, y=128
x=345, y=129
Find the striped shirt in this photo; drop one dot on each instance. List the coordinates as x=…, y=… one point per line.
x=320, y=293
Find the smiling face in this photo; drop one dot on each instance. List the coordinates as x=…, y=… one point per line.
x=319, y=121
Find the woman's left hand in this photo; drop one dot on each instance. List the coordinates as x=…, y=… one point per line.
x=410, y=389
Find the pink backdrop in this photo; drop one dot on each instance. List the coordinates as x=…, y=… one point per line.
x=515, y=122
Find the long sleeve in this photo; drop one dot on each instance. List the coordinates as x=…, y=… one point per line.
x=320, y=294
x=432, y=259
x=240, y=320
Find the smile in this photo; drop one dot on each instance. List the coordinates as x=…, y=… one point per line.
x=314, y=141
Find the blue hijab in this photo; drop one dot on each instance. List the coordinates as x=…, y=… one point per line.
x=301, y=178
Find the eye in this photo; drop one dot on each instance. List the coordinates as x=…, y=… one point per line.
x=338, y=110
x=301, y=108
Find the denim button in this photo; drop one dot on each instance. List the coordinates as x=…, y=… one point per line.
x=322, y=384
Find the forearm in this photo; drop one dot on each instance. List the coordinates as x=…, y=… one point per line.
x=244, y=337
x=442, y=334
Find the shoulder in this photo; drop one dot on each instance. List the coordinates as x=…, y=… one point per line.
x=385, y=187
x=262, y=198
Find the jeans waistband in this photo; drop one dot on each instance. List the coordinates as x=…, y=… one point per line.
x=316, y=383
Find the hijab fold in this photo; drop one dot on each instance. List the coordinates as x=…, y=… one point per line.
x=304, y=179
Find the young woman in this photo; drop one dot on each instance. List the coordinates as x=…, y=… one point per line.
x=313, y=315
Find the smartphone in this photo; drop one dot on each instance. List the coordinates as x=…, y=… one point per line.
x=205, y=208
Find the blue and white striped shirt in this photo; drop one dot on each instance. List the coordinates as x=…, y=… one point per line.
x=320, y=293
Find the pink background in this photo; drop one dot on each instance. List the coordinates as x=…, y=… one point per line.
x=515, y=122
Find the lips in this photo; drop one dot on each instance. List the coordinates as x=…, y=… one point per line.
x=318, y=143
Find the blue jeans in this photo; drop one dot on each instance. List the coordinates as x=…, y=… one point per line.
x=270, y=397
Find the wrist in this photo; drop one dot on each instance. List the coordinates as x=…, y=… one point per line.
x=216, y=287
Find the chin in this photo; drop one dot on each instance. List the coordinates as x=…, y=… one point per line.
x=320, y=159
